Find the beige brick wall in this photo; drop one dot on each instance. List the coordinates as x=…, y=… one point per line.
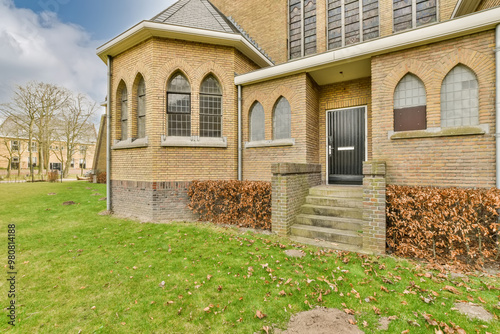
x=444, y=161
x=485, y=4
x=301, y=93
x=342, y=95
x=156, y=60
x=265, y=21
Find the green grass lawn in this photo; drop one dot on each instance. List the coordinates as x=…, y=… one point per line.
x=78, y=271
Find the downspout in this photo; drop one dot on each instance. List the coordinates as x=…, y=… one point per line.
x=108, y=140
x=497, y=102
x=240, y=147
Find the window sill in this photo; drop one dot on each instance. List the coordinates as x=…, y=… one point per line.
x=193, y=141
x=130, y=143
x=441, y=132
x=270, y=143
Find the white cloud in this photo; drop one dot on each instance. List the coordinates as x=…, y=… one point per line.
x=40, y=47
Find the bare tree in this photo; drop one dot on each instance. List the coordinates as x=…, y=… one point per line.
x=23, y=111
x=51, y=100
x=74, y=127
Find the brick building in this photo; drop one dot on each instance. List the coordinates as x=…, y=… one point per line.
x=328, y=99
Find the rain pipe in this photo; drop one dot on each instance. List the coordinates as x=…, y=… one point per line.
x=240, y=148
x=108, y=140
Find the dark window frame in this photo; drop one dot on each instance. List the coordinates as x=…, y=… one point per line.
x=175, y=116
x=211, y=116
x=141, y=108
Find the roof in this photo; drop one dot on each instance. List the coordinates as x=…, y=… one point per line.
x=201, y=14
x=190, y=20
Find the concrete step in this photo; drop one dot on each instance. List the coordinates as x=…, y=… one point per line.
x=337, y=223
x=327, y=244
x=335, y=202
x=311, y=209
x=327, y=234
x=337, y=191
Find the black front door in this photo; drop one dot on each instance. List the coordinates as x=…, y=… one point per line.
x=346, y=145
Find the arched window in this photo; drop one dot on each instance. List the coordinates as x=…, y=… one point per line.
x=282, y=119
x=124, y=113
x=141, y=109
x=460, y=98
x=210, y=108
x=257, y=121
x=179, y=106
x=410, y=104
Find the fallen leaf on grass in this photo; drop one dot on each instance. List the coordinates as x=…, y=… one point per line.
x=206, y=309
x=376, y=310
x=349, y=311
x=451, y=289
x=124, y=323
x=383, y=288
x=266, y=329
x=352, y=322
x=405, y=332
x=260, y=315
x=365, y=324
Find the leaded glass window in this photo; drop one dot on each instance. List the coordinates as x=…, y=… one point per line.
x=409, y=14
x=301, y=28
x=352, y=21
x=124, y=113
x=179, y=106
x=410, y=104
x=141, y=109
x=210, y=108
x=460, y=98
x=257, y=122
x=282, y=117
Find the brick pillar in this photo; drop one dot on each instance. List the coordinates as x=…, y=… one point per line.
x=374, y=207
x=290, y=187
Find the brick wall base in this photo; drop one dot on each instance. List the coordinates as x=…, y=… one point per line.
x=374, y=207
x=151, y=201
x=290, y=187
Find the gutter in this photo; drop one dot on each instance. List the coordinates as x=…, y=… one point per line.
x=108, y=139
x=240, y=143
x=497, y=103
x=148, y=29
x=461, y=26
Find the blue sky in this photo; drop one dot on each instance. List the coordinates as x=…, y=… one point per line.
x=55, y=41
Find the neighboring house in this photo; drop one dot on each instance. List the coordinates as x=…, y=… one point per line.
x=14, y=151
x=327, y=84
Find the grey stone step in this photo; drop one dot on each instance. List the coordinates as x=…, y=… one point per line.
x=337, y=223
x=335, y=202
x=337, y=191
x=311, y=209
x=327, y=244
x=327, y=234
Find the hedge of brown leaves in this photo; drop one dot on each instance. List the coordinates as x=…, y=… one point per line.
x=444, y=225
x=241, y=203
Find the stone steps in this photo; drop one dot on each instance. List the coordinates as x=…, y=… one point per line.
x=327, y=244
x=331, y=218
x=329, y=211
x=328, y=234
x=334, y=202
x=338, y=223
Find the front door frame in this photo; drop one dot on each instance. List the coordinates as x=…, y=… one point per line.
x=326, y=136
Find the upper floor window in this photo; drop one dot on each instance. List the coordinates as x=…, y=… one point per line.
x=33, y=146
x=124, y=113
x=141, y=109
x=301, y=28
x=14, y=145
x=210, y=108
x=257, y=122
x=179, y=106
x=282, y=117
x=352, y=21
x=410, y=104
x=460, y=98
x=409, y=14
